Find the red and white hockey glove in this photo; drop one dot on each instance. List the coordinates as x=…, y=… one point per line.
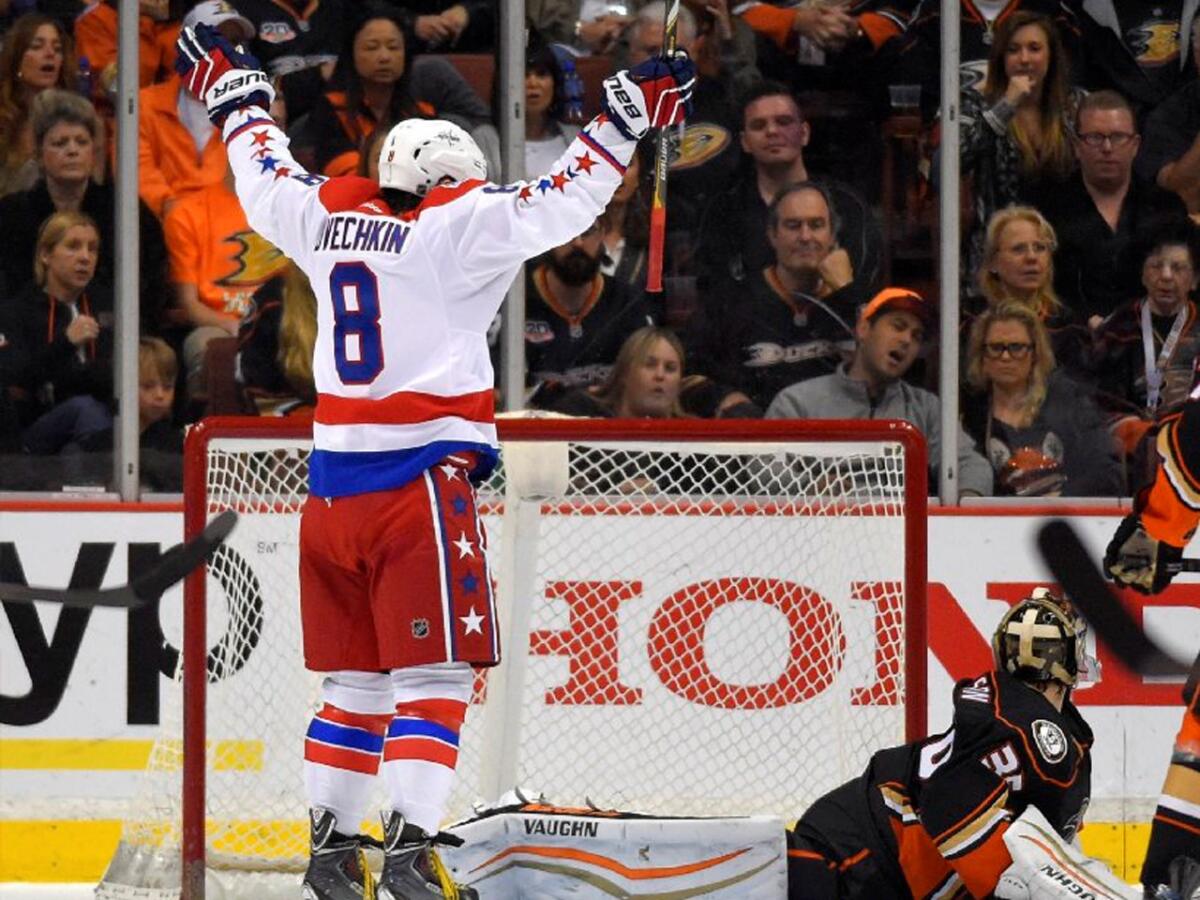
x=219, y=75
x=653, y=94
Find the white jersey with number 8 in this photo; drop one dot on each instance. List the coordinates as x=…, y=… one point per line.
x=404, y=303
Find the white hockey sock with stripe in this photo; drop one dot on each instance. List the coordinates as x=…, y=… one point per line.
x=421, y=749
x=344, y=744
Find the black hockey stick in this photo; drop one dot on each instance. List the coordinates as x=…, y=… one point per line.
x=172, y=566
x=1082, y=581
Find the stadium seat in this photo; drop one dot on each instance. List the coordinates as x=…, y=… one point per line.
x=225, y=395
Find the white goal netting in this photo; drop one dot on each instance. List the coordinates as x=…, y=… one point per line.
x=698, y=622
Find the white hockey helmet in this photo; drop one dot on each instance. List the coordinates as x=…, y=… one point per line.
x=419, y=154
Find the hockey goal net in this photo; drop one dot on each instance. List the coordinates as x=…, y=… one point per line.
x=697, y=618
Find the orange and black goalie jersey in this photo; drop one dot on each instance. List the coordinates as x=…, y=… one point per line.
x=931, y=815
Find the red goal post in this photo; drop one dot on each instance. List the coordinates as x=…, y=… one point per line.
x=697, y=618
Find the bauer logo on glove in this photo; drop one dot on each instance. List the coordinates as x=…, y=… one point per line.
x=627, y=105
x=235, y=86
x=653, y=94
x=222, y=77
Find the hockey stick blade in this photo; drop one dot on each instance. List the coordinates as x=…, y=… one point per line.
x=1073, y=568
x=172, y=566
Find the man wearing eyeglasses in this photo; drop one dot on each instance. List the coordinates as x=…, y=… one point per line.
x=1104, y=210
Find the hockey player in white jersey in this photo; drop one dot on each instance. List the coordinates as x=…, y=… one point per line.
x=395, y=593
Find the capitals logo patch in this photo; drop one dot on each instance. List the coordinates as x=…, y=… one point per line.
x=1050, y=740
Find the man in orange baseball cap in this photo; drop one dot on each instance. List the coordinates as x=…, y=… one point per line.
x=889, y=336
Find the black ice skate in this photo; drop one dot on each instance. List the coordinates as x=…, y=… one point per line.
x=337, y=866
x=411, y=867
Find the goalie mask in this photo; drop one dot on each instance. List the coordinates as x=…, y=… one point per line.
x=1041, y=639
x=420, y=154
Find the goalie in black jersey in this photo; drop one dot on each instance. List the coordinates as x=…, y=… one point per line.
x=990, y=806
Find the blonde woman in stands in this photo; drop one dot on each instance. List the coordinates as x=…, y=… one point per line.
x=644, y=383
x=275, y=346
x=647, y=382
x=1018, y=267
x=1016, y=133
x=1039, y=429
x=58, y=348
x=37, y=54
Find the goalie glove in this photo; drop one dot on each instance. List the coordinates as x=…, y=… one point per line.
x=1134, y=559
x=653, y=94
x=220, y=76
x=1046, y=867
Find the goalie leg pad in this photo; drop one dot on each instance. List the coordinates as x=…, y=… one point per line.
x=1046, y=867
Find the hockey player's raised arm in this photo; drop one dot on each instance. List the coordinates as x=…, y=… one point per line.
x=275, y=191
x=1166, y=513
x=495, y=227
x=281, y=199
x=1172, y=508
x=485, y=230
x=498, y=226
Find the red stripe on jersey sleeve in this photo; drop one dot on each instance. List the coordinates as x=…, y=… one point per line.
x=246, y=126
x=404, y=408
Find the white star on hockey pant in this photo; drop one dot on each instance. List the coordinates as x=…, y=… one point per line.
x=464, y=546
x=451, y=472
x=473, y=622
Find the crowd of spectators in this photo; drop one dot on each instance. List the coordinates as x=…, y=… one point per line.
x=787, y=292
